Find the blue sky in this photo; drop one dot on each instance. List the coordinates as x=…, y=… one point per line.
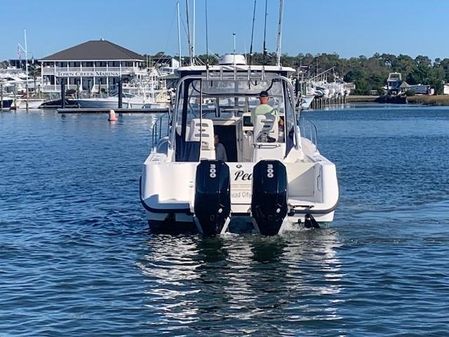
x=346, y=27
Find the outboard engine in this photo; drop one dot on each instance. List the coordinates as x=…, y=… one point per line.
x=269, y=200
x=212, y=195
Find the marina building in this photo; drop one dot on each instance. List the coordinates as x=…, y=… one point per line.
x=93, y=66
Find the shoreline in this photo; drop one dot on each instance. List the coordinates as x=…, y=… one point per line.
x=433, y=100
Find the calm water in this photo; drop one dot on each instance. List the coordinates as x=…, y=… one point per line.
x=77, y=259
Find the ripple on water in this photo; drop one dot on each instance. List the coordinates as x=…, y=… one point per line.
x=77, y=257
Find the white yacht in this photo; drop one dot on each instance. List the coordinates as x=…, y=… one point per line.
x=274, y=175
x=135, y=96
x=111, y=102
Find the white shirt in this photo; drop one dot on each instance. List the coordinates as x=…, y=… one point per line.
x=220, y=152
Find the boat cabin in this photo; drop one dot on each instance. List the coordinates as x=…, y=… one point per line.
x=219, y=100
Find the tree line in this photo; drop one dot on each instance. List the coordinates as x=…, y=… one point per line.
x=367, y=73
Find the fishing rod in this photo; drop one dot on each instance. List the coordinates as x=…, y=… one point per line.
x=279, y=40
x=252, y=34
x=265, y=33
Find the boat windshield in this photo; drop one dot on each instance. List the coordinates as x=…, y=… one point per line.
x=227, y=99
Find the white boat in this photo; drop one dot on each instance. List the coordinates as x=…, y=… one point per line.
x=98, y=102
x=33, y=103
x=306, y=101
x=135, y=102
x=274, y=177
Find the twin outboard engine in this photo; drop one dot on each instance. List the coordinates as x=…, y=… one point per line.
x=269, y=199
x=212, y=195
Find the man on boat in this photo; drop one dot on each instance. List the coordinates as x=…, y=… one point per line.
x=220, y=151
x=263, y=108
x=269, y=112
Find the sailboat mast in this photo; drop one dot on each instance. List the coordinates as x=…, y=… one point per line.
x=26, y=66
x=278, y=51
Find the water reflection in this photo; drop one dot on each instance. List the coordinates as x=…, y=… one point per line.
x=225, y=284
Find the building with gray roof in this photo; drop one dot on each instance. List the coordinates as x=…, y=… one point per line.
x=92, y=66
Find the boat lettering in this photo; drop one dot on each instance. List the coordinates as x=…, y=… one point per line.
x=212, y=171
x=240, y=174
x=241, y=195
x=270, y=171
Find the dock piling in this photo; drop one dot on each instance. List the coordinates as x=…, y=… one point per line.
x=120, y=89
x=62, y=94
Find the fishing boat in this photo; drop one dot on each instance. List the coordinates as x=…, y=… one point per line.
x=111, y=102
x=274, y=175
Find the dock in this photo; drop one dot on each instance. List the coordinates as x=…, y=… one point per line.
x=105, y=110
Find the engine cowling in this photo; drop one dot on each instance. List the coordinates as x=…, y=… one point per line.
x=269, y=198
x=212, y=204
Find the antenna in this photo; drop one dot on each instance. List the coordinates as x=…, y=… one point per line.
x=265, y=33
x=179, y=32
x=278, y=51
x=252, y=34
x=193, y=30
x=207, y=35
x=235, y=68
x=188, y=33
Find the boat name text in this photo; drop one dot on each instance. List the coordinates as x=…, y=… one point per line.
x=240, y=174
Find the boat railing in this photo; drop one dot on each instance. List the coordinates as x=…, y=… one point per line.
x=158, y=129
x=308, y=130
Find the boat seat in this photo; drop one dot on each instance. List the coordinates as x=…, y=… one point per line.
x=266, y=129
x=203, y=131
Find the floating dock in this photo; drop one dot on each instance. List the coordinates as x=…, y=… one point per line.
x=105, y=110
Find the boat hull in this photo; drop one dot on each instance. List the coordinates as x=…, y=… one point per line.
x=312, y=191
x=185, y=223
x=99, y=103
x=307, y=101
x=6, y=103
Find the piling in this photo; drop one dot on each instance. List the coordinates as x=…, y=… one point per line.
x=15, y=95
x=120, y=89
x=62, y=94
x=1, y=97
x=334, y=101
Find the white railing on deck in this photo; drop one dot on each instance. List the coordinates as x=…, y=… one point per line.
x=308, y=130
x=52, y=70
x=57, y=87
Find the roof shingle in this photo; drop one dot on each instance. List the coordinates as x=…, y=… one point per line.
x=94, y=50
